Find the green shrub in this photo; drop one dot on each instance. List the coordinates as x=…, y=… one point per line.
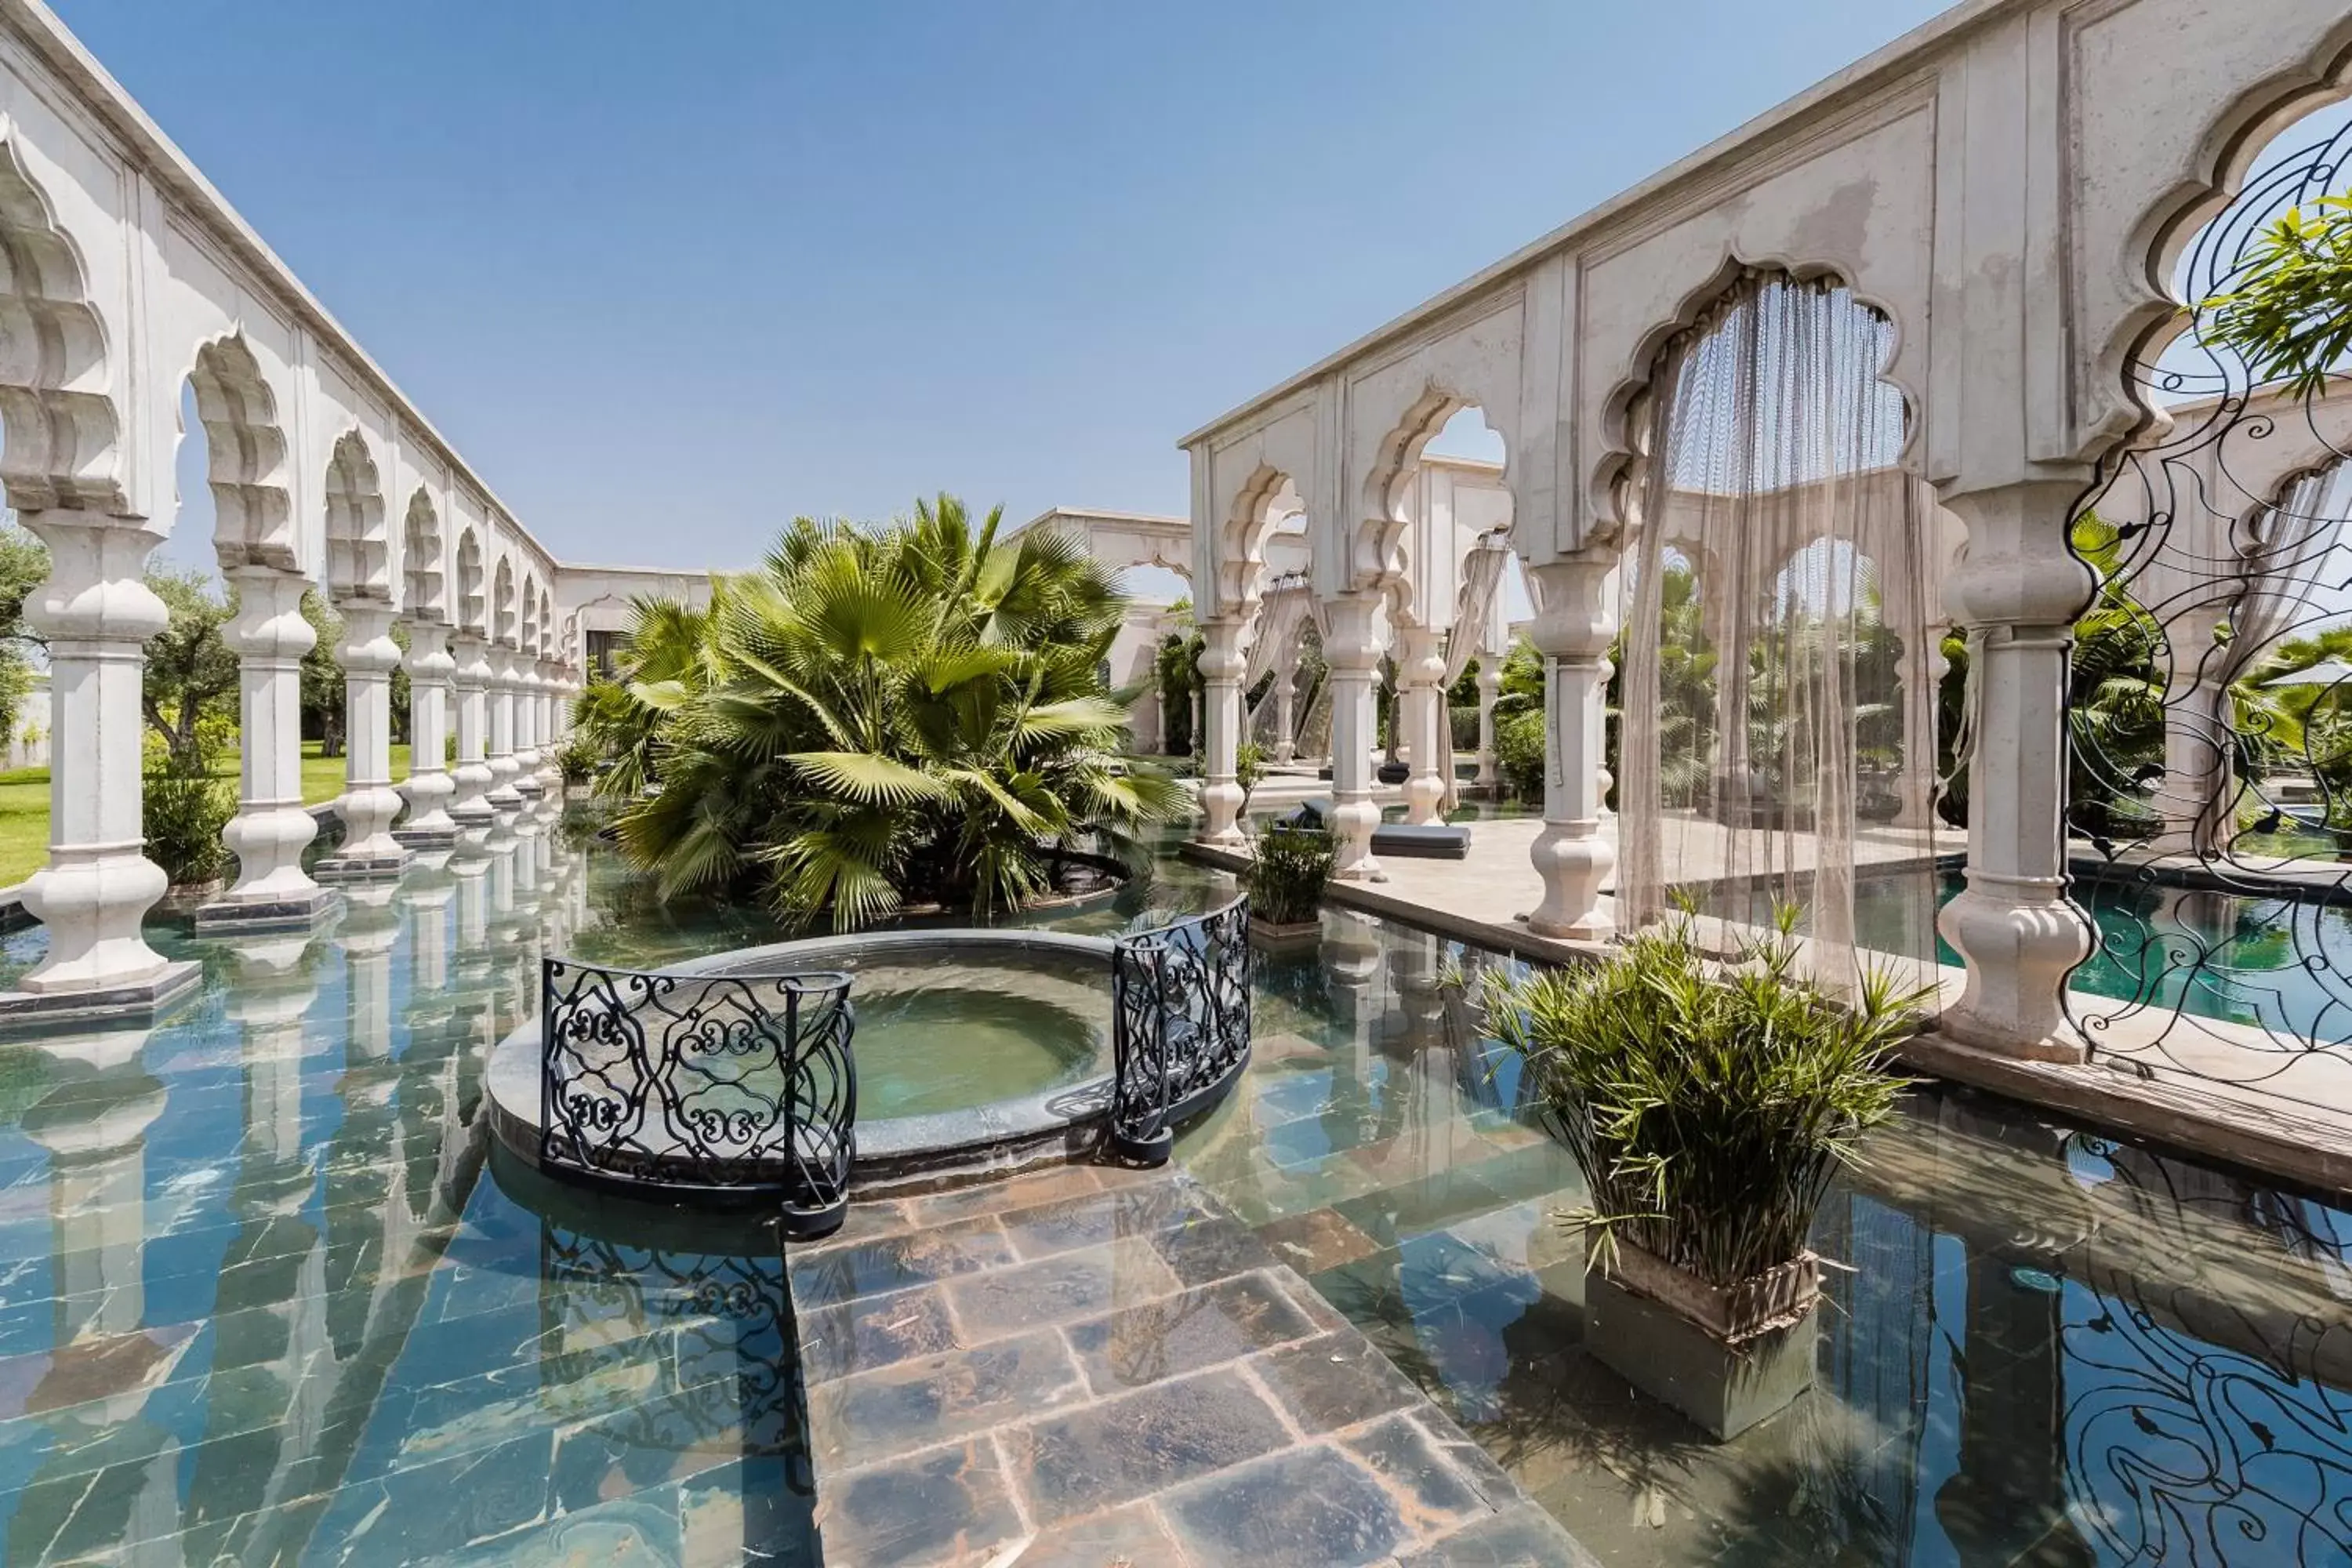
x=183, y=815
x=1249, y=767
x=1707, y=1106
x=1287, y=876
x=579, y=758
x=1519, y=752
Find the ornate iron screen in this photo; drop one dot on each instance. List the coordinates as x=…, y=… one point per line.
x=1181, y=1025
x=714, y=1082
x=2210, y=784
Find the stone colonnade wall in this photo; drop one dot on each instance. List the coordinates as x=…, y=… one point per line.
x=2008, y=184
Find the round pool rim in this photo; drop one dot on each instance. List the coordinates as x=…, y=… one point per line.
x=902, y=1154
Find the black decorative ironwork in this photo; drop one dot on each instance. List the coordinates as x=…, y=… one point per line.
x=1181, y=1025
x=714, y=1082
x=2214, y=803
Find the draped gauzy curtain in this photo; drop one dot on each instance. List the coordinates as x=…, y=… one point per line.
x=1473, y=606
x=1280, y=615
x=1767, y=679
x=2277, y=558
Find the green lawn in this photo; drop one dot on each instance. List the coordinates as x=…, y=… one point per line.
x=25, y=804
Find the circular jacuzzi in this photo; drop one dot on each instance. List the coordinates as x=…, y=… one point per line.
x=978, y=1052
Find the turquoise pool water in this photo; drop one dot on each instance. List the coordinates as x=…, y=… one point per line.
x=263, y=1297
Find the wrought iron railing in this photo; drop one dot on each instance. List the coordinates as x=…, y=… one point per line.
x=715, y=1082
x=1181, y=1025
x=2211, y=776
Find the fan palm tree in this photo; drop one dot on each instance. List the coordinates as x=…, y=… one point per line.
x=880, y=718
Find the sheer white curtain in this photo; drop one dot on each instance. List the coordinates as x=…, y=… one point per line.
x=1775, y=645
x=1474, y=607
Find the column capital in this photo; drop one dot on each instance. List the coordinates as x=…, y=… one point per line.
x=429, y=658
x=1576, y=606
x=1351, y=631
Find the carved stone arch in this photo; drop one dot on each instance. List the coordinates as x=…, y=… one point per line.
x=1625, y=406
x=56, y=404
x=2114, y=409
x=245, y=459
x=1475, y=364
x=533, y=615
x=420, y=559
x=359, y=547
x=472, y=603
x=1242, y=534
x=503, y=615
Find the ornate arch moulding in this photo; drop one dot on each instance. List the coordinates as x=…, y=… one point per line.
x=359, y=555
x=1397, y=401
x=1623, y=402
x=1247, y=472
x=424, y=571
x=63, y=449
x=246, y=459
x=2308, y=46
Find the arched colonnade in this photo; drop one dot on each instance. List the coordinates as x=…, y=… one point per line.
x=125, y=281
x=2008, y=186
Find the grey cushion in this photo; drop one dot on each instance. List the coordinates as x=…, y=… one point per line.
x=1435, y=842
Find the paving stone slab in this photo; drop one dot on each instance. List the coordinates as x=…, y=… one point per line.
x=1129, y=1447
x=1070, y=1285
x=876, y=1415
x=1181, y=1333
x=939, y=1507
x=1305, y=1508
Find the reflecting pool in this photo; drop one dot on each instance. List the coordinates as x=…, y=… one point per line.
x=264, y=1298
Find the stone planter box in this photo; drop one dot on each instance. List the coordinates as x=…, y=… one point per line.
x=1296, y=936
x=1725, y=1356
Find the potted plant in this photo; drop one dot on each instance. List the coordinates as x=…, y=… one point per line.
x=184, y=810
x=1708, y=1106
x=1285, y=880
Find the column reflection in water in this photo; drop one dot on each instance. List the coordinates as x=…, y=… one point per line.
x=268, y=1386
x=109, y=1476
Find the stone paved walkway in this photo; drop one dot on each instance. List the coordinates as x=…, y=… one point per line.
x=1093, y=1368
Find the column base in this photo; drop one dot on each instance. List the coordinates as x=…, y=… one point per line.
x=145, y=1002
x=426, y=837
x=361, y=867
x=298, y=912
x=528, y=784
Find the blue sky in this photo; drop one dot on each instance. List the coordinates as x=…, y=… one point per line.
x=668, y=274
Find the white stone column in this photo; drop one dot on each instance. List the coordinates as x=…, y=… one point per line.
x=551, y=738
x=1285, y=694
x=97, y=615
x=1490, y=687
x=1915, y=784
x=1351, y=650
x=2017, y=591
x=271, y=827
x=1573, y=631
x=502, y=798
x=470, y=808
x=523, y=677
x=1421, y=718
x=431, y=791
x=369, y=803
x=1221, y=791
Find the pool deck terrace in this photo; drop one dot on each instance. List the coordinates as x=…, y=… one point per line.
x=2221, y=1091
x=1095, y=1366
